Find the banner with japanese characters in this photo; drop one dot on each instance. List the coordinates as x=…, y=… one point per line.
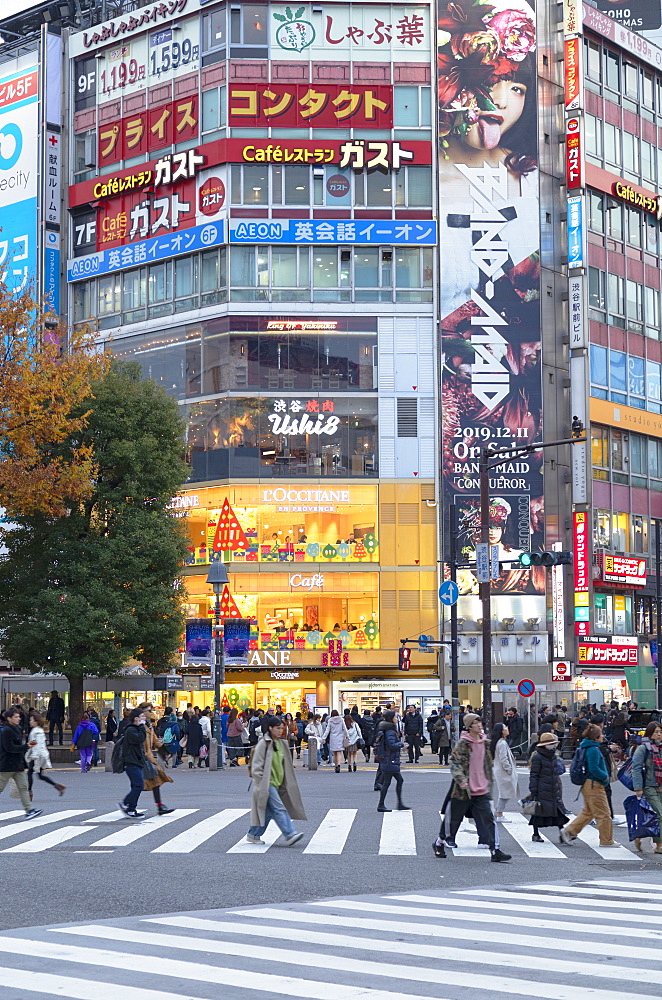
x=19, y=93
x=490, y=278
x=320, y=105
x=402, y=232
x=339, y=32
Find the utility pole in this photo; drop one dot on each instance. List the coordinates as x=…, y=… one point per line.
x=493, y=458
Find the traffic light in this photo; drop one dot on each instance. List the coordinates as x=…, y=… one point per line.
x=546, y=559
x=404, y=658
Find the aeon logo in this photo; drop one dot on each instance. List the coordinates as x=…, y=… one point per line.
x=11, y=145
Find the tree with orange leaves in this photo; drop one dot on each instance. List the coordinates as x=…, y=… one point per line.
x=41, y=386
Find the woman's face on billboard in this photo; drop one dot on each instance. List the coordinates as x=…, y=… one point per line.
x=508, y=97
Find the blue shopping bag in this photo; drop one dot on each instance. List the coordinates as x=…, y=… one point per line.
x=642, y=819
x=625, y=774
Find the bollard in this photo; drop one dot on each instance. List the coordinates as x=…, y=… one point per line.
x=312, y=754
x=108, y=756
x=213, y=755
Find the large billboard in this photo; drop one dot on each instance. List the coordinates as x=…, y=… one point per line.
x=490, y=278
x=19, y=94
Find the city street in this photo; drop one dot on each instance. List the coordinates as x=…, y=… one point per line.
x=196, y=858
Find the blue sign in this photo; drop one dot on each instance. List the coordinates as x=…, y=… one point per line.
x=526, y=688
x=236, y=636
x=423, y=641
x=449, y=593
x=576, y=231
x=482, y=562
x=51, y=275
x=198, y=640
x=146, y=251
x=360, y=231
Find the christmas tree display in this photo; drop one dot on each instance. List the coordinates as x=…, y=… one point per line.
x=359, y=638
x=228, y=607
x=370, y=544
x=229, y=535
x=371, y=630
x=313, y=550
x=360, y=550
x=343, y=550
x=329, y=551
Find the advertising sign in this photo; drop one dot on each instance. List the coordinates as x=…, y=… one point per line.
x=364, y=231
x=608, y=650
x=558, y=610
x=574, y=156
x=291, y=105
x=490, y=280
x=561, y=670
x=146, y=251
x=572, y=48
x=622, y=570
x=576, y=312
x=582, y=570
x=634, y=43
x=19, y=89
x=148, y=131
x=576, y=231
x=639, y=197
x=155, y=15
x=236, y=636
x=340, y=32
x=572, y=17
x=198, y=640
x=640, y=15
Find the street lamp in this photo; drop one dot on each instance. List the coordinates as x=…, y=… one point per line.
x=218, y=578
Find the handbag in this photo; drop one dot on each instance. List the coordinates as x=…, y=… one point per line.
x=150, y=770
x=529, y=807
x=560, y=766
x=625, y=774
x=245, y=738
x=642, y=819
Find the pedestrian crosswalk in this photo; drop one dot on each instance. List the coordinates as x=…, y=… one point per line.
x=336, y=832
x=521, y=941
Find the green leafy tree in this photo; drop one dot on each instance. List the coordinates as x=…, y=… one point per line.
x=84, y=593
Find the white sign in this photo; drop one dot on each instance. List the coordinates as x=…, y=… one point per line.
x=184, y=502
x=267, y=658
x=153, y=16
x=558, y=609
x=285, y=675
x=383, y=33
x=576, y=313
x=482, y=562
x=494, y=562
x=281, y=495
x=316, y=581
x=304, y=420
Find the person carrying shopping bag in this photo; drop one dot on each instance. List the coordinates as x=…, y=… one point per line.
x=647, y=775
x=275, y=793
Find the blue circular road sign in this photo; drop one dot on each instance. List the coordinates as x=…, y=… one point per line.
x=449, y=593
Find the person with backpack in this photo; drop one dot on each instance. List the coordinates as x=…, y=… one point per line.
x=367, y=727
x=647, y=775
x=275, y=792
x=84, y=739
x=132, y=750
x=171, y=735
x=389, y=764
x=589, y=770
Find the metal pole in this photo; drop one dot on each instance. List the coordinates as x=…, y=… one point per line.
x=658, y=612
x=486, y=589
x=455, y=694
x=219, y=677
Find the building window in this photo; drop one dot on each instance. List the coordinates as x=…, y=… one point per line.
x=596, y=218
x=593, y=136
x=616, y=300
x=600, y=451
x=612, y=137
x=597, y=281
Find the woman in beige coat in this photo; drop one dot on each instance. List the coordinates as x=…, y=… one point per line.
x=276, y=794
x=151, y=745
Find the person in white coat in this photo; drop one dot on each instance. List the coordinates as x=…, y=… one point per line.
x=353, y=735
x=337, y=734
x=37, y=757
x=505, y=770
x=316, y=729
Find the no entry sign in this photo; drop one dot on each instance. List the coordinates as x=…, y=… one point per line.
x=526, y=688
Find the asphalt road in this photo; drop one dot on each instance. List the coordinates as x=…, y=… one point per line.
x=74, y=880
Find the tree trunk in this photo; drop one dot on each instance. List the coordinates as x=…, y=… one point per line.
x=76, y=706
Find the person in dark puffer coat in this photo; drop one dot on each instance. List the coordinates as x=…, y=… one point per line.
x=545, y=787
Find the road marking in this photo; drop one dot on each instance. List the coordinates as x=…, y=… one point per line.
x=270, y=836
x=112, y=817
x=197, y=972
x=591, y=837
x=10, y=831
x=78, y=989
x=519, y=829
x=129, y=834
x=187, y=841
x=397, y=835
x=467, y=846
x=365, y=967
x=52, y=839
x=332, y=833
x=629, y=887
x=12, y=815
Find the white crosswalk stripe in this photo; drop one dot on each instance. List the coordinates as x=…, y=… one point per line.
x=391, y=834
x=432, y=944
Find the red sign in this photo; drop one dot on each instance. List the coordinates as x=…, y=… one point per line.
x=608, y=650
x=622, y=570
x=573, y=81
x=18, y=89
x=580, y=539
x=574, y=160
x=325, y=106
x=582, y=628
x=212, y=196
x=338, y=185
x=140, y=215
x=526, y=688
x=148, y=130
x=561, y=670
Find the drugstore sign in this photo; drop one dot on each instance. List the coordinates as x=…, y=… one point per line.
x=608, y=650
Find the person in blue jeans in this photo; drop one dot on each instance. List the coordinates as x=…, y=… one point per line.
x=276, y=794
x=133, y=754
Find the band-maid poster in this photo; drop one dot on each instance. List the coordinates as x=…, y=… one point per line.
x=490, y=277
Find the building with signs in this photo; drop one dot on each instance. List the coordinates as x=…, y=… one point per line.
x=358, y=242
x=253, y=219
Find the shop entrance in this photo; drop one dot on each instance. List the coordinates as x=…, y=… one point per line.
x=292, y=696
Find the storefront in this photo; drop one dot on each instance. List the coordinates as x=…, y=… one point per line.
x=369, y=694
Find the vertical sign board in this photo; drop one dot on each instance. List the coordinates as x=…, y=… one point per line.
x=576, y=256
x=558, y=607
x=489, y=295
x=19, y=94
x=236, y=637
x=574, y=153
x=577, y=312
x=572, y=17
x=582, y=570
x=581, y=465
x=198, y=640
x=573, y=74
x=51, y=153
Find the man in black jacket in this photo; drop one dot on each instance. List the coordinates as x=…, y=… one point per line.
x=367, y=727
x=55, y=716
x=133, y=754
x=413, y=727
x=12, y=759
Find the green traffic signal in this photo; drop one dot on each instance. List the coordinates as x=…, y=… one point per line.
x=546, y=559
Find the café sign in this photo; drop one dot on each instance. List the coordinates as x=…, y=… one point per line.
x=639, y=199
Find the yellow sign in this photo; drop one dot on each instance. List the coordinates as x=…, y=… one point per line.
x=648, y=202
x=581, y=599
x=626, y=417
